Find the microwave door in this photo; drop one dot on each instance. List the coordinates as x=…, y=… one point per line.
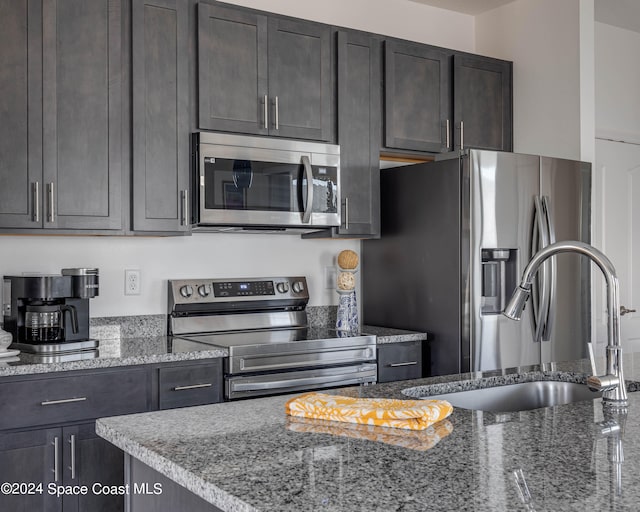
x=263, y=187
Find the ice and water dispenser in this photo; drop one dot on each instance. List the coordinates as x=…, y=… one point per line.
x=499, y=279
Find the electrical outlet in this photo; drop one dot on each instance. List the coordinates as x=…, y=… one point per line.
x=132, y=282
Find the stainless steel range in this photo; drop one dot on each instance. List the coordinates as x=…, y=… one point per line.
x=263, y=323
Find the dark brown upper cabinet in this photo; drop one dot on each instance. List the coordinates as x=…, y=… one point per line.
x=160, y=116
x=359, y=122
x=482, y=103
x=264, y=75
x=60, y=144
x=417, y=97
x=436, y=100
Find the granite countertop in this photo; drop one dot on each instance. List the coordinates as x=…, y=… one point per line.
x=115, y=352
x=389, y=335
x=249, y=456
x=153, y=349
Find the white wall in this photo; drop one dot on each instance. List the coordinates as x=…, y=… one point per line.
x=542, y=38
x=397, y=18
x=199, y=256
x=617, y=83
x=617, y=114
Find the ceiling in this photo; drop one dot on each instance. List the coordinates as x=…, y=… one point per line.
x=472, y=7
x=620, y=13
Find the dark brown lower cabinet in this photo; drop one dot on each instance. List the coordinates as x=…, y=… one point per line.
x=48, y=441
x=27, y=460
x=158, y=493
x=44, y=469
x=399, y=361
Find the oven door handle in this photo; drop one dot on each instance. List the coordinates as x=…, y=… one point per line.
x=308, y=172
x=279, y=384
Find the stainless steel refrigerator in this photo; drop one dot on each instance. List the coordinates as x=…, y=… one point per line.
x=456, y=235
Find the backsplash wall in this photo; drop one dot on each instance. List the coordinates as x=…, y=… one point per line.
x=161, y=258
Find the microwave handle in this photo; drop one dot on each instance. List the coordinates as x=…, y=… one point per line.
x=308, y=207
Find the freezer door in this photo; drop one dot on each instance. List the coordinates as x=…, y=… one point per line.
x=503, y=188
x=566, y=192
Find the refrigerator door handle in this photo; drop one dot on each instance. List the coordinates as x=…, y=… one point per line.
x=540, y=296
x=551, y=288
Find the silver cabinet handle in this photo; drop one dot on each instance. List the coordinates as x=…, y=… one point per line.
x=72, y=467
x=346, y=213
x=51, y=201
x=64, y=401
x=266, y=112
x=36, y=201
x=624, y=311
x=185, y=207
x=461, y=134
x=308, y=171
x=56, y=458
x=277, y=114
x=447, y=137
x=408, y=363
x=193, y=386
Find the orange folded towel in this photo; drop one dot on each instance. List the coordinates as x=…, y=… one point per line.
x=384, y=412
x=420, y=441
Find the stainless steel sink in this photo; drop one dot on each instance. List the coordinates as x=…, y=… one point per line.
x=514, y=397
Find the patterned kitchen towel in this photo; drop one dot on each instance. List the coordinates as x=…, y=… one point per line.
x=419, y=441
x=384, y=412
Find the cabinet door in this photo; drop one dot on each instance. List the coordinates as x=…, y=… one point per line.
x=300, y=83
x=31, y=458
x=417, y=97
x=88, y=460
x=190, y=384
x=359, y=133
x=399, y=361
x=483, y=103
x=160, y=110
x=20, y=104
x=82, y=116
x=232, y=70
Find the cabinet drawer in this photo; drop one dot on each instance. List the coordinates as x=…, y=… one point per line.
x=62, y=399
x=400, y=361
x=189, y=385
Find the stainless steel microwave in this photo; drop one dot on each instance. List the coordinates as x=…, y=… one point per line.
x=259, y=183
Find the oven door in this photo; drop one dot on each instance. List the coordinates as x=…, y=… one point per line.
x=267, y=187
x=245, y=386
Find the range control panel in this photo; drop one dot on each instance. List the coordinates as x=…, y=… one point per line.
x=203, y=291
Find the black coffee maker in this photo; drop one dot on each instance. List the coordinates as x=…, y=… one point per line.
x=50, y=313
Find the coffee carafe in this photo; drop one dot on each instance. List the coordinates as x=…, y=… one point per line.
x=50, y=313
x=46, y=323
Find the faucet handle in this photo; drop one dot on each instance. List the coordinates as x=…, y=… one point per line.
x=602, y=382
x=599, y=382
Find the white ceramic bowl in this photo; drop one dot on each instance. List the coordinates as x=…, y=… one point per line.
x=5, y=340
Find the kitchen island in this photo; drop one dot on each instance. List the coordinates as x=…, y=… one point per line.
x=249, y=456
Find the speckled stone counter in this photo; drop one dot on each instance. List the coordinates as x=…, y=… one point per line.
x=148, y=349
x=389, y=335
x=249, y=456
x=114, y=352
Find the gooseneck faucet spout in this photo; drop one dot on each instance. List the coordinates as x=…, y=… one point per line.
x=612, y=384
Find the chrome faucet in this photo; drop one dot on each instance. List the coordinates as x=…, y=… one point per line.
x=612, y=384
